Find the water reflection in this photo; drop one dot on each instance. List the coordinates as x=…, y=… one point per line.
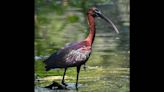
x=108, y=67
x=95, y=79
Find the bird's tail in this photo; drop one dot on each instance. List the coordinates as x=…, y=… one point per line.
x=47, y=68
x=49, y=65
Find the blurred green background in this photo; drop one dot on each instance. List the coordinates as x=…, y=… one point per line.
x=59, y=22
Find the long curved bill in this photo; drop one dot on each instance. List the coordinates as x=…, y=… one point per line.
x=109, y=21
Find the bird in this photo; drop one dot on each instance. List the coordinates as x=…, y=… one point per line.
x=77, y=54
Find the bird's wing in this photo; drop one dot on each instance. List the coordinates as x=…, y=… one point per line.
x=70, y=53
x=52, y=57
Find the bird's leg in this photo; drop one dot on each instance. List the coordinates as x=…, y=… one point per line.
x=63, y=77
x=78, y=70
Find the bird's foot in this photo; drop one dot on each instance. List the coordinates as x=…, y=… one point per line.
x=64, y=84
x=76, y=85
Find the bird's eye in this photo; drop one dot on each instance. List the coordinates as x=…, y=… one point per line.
x=97, y=11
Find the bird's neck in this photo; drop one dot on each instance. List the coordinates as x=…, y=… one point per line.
x=92, y=29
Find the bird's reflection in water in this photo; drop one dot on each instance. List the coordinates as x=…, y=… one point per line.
x=57, y=86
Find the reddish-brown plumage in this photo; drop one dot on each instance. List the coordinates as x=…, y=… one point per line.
x=76, y=54
x=91, y=23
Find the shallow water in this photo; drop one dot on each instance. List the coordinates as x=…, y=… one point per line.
x=107, y=67
x=94, y=79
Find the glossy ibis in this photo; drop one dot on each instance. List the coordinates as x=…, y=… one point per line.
x=77, y=54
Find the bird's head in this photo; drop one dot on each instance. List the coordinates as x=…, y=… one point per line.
x=97, y=13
